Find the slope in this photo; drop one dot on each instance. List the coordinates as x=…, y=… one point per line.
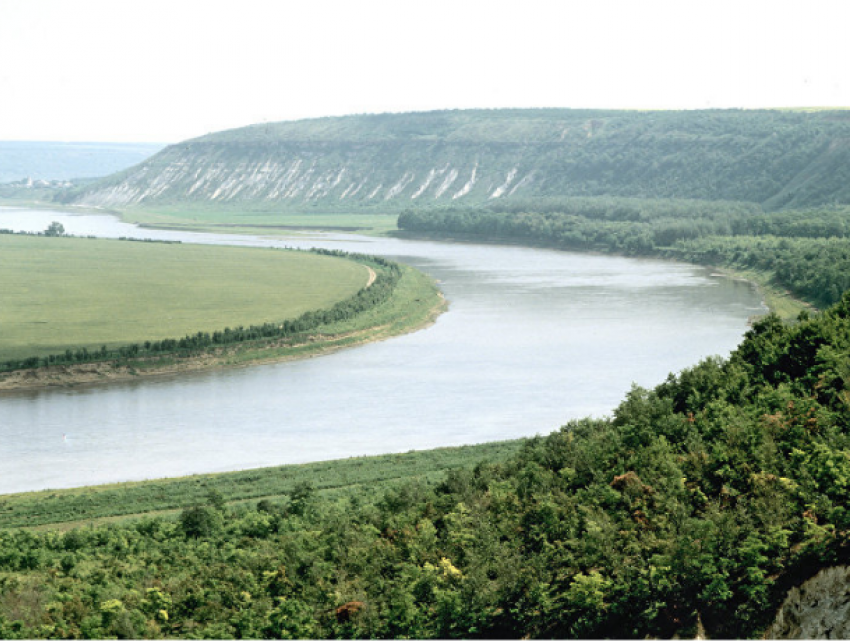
x=391, y=161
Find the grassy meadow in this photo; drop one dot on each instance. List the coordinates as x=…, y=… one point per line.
x=366, y=477
x=224, y=220
x=61, y=293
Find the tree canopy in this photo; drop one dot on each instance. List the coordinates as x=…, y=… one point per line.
x=703, y=499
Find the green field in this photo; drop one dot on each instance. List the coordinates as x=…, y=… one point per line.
x=415, y=302
x=68, y=293
x=366, y=477
x=203, y=218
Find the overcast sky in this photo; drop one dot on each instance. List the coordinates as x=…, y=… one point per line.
x=167, y=70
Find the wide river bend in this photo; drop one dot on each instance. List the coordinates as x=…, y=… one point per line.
x=532, y=338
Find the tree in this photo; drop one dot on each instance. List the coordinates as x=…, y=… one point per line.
x=55, y=229
x=300, y=498
x=199, y=521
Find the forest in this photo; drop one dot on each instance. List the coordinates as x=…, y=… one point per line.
x=699, y=501
x=804, y=251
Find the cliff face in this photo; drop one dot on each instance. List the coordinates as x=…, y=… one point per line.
x=777, y=159
x=359, y=174
x=818, y=609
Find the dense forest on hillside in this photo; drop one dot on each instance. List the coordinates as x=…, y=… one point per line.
x=700, y=500
x=777, y=159
x=804, y=251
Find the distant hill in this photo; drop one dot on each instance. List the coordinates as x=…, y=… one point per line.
x=777, y=159
x=50, y=161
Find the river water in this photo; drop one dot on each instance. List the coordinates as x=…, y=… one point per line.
x=533, y=338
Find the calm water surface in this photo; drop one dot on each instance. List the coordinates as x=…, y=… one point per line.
x=533, y=338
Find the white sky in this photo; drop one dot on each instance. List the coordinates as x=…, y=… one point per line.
x=167, y=70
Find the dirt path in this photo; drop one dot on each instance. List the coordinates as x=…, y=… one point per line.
x=372, y=276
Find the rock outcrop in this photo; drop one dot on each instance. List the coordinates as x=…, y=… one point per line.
x=817, y=609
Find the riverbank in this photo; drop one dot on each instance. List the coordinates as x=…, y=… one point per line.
x=202, y=220
x=342, y=479
x=777, y=299
x=415, y=303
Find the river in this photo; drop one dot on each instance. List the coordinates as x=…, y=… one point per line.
x=532, y=338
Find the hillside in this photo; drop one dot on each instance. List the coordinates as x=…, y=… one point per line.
x=775, y=159
x=697, y=505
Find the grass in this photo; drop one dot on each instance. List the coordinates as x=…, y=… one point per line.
x=65, y=509
x=414, y=303
x=203, y=218
x=68, y=293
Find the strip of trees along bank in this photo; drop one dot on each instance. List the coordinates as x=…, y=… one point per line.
x=806, y=252
x=293, y=330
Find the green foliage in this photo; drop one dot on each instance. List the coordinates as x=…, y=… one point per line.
x=289, y=332
x=199, y=521
x=301, y=497
x=701, y=499
x=271, y=488
x=384, y=162
x=55, y=229
x=816, y=269
x=806, y=252
x=122, y=294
